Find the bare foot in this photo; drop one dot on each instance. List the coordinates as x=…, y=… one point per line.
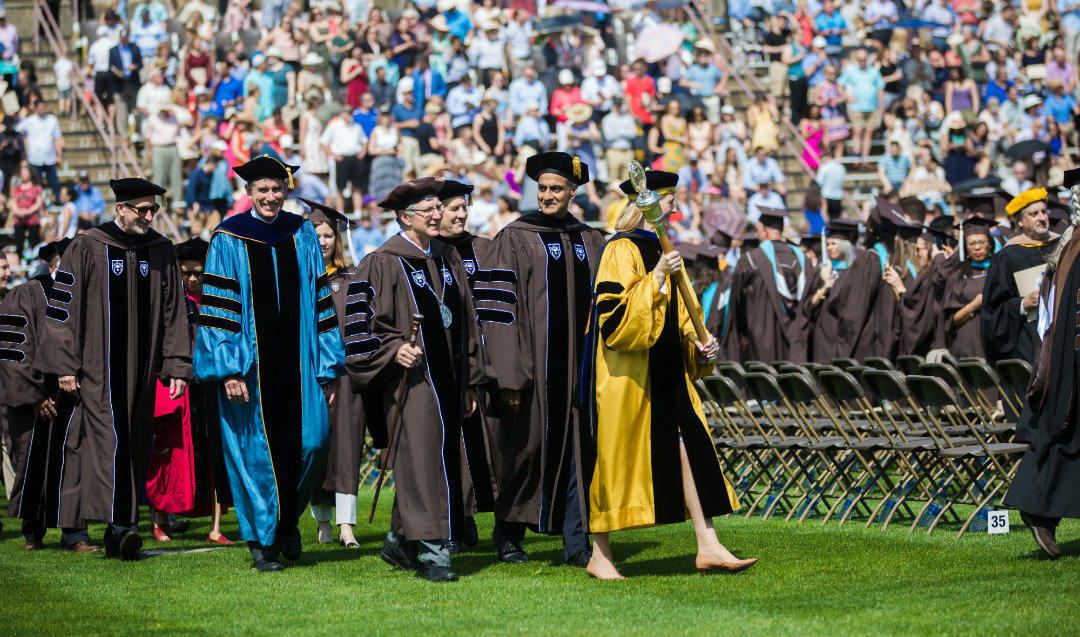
x=602, y=569
x=706, y=563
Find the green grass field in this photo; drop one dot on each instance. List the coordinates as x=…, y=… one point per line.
x=811, y=580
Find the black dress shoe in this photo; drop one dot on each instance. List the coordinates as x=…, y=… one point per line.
x=513, y=555
x=269, y=566
x=130, y=544
x=580, y=559
x=434, y=573
x=453, y=546
x=177, y=525
x=291, y=546
x=472, y=535
x=1043, y=530
x=396, y=556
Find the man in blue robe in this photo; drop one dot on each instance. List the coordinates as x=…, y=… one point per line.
x=266, y=303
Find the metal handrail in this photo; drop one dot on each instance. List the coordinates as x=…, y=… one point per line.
x=121, y=157
x=792, y=130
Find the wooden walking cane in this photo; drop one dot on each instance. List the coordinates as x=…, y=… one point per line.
x=417, y=319
x=648, y=202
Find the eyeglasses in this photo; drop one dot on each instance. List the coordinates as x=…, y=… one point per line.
x=152, y=209
x=428, y=213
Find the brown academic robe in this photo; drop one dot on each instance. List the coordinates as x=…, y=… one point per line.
x=123, y=326
x=962, y=287
x=341, y=473
x=867, y=315
x=719, y=320
x=389, y=286
x=920, y=309
x=533, y=305
x=480, y=430
x=764, y=320
x=36, y=445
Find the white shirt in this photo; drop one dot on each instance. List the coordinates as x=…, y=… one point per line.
x=518, y=35
x=481, y=214
x=62, y=70
x=345, y=138
x=40, y=133
x=486, y=53
x=598, y=91
x=97, y=56
x=149, y=96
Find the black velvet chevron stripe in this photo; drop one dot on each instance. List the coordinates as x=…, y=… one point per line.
x=605, y=306
x=328, y=323
x=359, y=348
x=60, y=296
x=494, y=316
x=221, y=303
x=12, y=320
x=321, y=281
x=224, y=283
x=325, y=303
x=17, y=338
x=609, y=287
x=56, y=313
x=12, y=355
x=217, y=322
x=495, y=276
x=361, y=287
x=495, y=295
x=356, y=328
x=65, y=278
x=357, y=307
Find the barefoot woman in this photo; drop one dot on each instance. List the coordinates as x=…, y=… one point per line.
x=655, y=459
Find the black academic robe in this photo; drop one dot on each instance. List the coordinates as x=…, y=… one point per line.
x=533, y=306
x=37, y=445
x=342, y=471
x=965, y=283
x=1006, y=331
x=480, y=430
x=764, y=318
x=120, y=326
x=389, y=286
x=1049, y=473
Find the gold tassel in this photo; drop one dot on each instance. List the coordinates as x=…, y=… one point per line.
x=577, y=168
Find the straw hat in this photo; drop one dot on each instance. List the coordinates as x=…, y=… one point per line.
x=579, y=113
x=445, y=5
x=311, y=59
x=705, y=44
x=438, y=23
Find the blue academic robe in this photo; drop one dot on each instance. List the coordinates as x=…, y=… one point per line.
x=282, y=319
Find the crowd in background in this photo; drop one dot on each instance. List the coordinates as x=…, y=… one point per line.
x=927, y=99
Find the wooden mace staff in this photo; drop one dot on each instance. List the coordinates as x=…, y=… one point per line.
x=648, y=202
x=417, y=319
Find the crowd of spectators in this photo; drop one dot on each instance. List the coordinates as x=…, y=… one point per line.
x=922, y=99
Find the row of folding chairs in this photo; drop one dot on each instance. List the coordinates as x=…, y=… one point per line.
x=926, y=441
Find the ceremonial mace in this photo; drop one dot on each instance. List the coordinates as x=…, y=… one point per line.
x=648, y=202
x=417, y=319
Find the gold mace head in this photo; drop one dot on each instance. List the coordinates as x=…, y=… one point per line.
x=647, y=200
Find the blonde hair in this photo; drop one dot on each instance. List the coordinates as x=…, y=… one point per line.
x=630, y=218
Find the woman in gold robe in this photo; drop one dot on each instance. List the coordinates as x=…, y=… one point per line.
x=656, y=463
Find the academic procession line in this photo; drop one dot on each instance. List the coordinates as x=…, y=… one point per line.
x=566, y=383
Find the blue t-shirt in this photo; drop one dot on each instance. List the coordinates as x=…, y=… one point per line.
x=1060, y=108
x=834, y=22
x=366, y=120
x=707, y=76
x=228, y=90
x=402, y=114
x=863, y=85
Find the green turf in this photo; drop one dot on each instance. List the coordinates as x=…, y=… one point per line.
x=811, y=580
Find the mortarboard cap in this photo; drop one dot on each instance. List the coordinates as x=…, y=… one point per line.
x=720, y=239
x=811, y=242
x=887, y=219
x=194, y=249
x=847, y=229
x=568, y=166
x=408, y=193
x=320, y=213
x=451, y=189
x=986, y=205
x=52, y=250
x=1072, y=178
x=267, y=167
x=773, y=218
x=977, y=225
x=749, y=240
x=131, y=188
x=655, y=180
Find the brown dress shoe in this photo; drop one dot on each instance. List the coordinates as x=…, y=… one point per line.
x=1044, y=534
x=82, y=547
x=33, y=546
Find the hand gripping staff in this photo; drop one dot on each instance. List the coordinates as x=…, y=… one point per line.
x=648, y=202
x=417, y=319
